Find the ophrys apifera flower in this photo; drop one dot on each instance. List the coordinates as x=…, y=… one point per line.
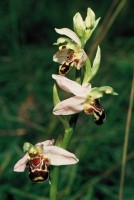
x=39, y=157
x=86, y=99
x=70, y=52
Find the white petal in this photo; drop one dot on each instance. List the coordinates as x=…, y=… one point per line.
x=21, y=164
x=59, y=156
x=46, y=143
x=70, y=86
x=69, y=33
x=69, y=106
x=88, y=86
x=61, y=56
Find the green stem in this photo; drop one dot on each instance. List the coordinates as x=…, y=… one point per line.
x=67, y=136
x=55, y=174
x=66, y=139
x=54, y=184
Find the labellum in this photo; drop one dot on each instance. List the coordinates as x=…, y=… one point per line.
x=94, y=107
x=99, y=113
x=63, y=69
x=68, y=64
x=38, y=168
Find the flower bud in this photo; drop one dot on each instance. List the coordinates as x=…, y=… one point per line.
x=90, y=19
x=79, y=25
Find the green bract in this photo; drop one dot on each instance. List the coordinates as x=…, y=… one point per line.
x=56, y=100
x=90, y=72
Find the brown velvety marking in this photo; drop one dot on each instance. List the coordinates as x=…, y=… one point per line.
x=101, y=119
x=64, y=69
x=100, y=112
x=38, y=168
x=38, y=176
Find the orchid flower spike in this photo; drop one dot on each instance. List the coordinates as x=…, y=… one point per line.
x=70, y=53
x=39, y=157
x=86, y=98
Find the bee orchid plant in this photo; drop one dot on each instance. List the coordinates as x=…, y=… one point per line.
x=85, y=97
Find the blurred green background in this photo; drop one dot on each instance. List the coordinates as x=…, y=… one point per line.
x=26, y=50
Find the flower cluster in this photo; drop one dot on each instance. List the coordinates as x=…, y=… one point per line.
x=70, y=54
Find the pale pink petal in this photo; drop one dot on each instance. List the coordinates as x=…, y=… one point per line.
x=46, y=143
x=69, y=33
x=21, y=164
x=61, y=56
x=59, y=156
x=88, y=86
x=70, y=86
x=69, y=106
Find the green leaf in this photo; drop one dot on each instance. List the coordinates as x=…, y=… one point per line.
x=56, y=100
x=98, y=92
x=87, y=71
x=96, y=64
x=91, y=72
